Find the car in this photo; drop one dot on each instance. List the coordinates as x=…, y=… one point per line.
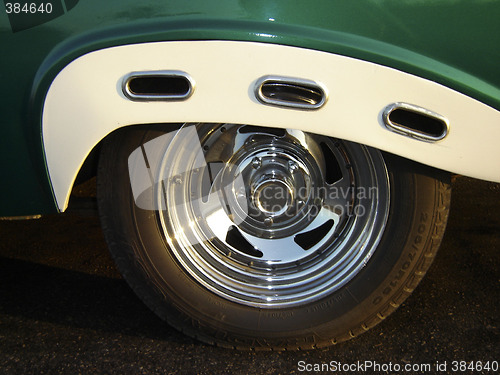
x=270, y=175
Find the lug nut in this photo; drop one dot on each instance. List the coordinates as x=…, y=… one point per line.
x=268, y=221
x=256, y=162
x=292, y=166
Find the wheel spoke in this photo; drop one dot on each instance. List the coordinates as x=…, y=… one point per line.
x=318, y=230
x=215, y=216
x=276, y=250
x=325, y=214
x=288, y=248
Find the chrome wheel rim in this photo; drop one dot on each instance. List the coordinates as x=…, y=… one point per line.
x=270, y=218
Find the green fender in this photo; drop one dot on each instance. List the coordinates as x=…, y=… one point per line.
x=452, y=42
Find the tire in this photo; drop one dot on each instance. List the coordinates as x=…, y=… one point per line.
x=257, y=238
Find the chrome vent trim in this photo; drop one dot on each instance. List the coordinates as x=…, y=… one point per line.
x=415, y=122
x=290, y=92
x=159, y=85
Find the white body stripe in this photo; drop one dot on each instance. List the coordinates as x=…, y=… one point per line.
x=85, y=103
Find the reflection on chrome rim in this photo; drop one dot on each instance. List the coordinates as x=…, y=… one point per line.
x=269, y=217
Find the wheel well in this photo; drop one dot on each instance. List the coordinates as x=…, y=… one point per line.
x=88, y=169
x=83, y=193
x=84, y=186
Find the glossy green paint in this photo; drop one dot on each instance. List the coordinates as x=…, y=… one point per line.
x=453, y=42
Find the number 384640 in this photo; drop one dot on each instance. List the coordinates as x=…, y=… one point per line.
x=28, y=8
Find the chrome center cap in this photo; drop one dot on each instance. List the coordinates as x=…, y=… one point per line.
x=273, y=196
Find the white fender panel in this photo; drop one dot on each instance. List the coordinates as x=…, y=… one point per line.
x=85, y=103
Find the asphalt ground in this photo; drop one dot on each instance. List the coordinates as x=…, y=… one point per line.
x=64, y=309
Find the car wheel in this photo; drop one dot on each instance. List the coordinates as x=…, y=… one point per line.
x=253, y=237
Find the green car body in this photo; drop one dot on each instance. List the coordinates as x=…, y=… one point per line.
x=452, y=42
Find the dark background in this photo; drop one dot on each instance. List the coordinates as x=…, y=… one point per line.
x=65, y=309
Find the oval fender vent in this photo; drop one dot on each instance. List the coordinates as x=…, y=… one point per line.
x=290, y=92
x=158, y=85
x=415, y=122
